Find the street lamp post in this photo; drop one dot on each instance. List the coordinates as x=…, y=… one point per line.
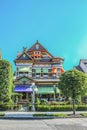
x=34, y=89
x=54, y=92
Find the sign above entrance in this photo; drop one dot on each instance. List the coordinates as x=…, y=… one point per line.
x=23, y=88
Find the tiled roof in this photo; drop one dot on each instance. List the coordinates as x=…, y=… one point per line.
x=24, y=56
x=45, y=60
x=79, y=68
x=37, y=46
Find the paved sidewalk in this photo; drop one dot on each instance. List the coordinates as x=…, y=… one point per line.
x=45, y=124
x=29, y=115
x=30, y=112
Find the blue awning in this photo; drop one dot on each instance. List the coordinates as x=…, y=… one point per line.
x=23, y=88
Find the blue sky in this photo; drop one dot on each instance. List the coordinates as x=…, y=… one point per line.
x=59, y=25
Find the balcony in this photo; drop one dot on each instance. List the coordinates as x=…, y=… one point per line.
x=21, y=101
x=46, y=78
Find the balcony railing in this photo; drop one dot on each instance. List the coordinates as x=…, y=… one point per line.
x=41, y=76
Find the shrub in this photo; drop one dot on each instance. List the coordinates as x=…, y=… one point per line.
x=54, y=108
x=81, y=107
x=44, y=102
x=84, y=114
x=60, y=115
x=60, y=107
x=37, y=102
x=3, y=107
x=2, y=114
x=54, y=114
x=57, y=103
x=43, y=108
x=30, y=107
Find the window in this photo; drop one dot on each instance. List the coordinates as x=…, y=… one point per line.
x=49, y=70
x=33, y=74
x=33, y=70
x=45, y=75
x=38, y=75
x=17, y=69
x=37, y=46
x=24, y=55
x=37, y=52
x=58, y=70
x=50, y=74
x=17, y=73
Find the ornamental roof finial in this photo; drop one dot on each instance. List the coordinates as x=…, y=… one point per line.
x=37, y=41
x=24, y=48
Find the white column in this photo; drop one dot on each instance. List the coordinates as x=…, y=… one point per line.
x=54, y=87
x=33, y=97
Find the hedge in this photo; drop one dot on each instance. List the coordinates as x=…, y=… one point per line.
x=60, y=107
x=81, y=108
x=54, y=108
x=4, y=107
x=2, y=114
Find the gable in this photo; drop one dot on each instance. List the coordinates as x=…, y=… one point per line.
x=37, y=46
x=24, y=80
x=24, y=56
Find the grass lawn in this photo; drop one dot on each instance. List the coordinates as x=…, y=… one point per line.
x=52, y=115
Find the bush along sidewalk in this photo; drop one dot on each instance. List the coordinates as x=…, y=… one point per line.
x=60, y=107
x=59, y=115
x=50, y=115
x=54, y=108
x=84, y=114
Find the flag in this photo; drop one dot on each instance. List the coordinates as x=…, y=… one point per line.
x=54, y=70
x=62, y=70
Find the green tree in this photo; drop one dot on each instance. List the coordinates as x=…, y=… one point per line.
x=5, y=81
x=73, y=83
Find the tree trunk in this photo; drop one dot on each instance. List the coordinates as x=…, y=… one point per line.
x=73, y=106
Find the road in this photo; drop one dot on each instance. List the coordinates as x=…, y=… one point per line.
x=44, y=124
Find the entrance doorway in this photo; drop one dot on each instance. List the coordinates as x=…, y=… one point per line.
x=24, y=96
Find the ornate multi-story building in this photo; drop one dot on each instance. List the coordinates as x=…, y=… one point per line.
x=37, y=65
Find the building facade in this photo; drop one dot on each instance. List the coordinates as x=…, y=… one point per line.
x=37, y=65
x=82, y=66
